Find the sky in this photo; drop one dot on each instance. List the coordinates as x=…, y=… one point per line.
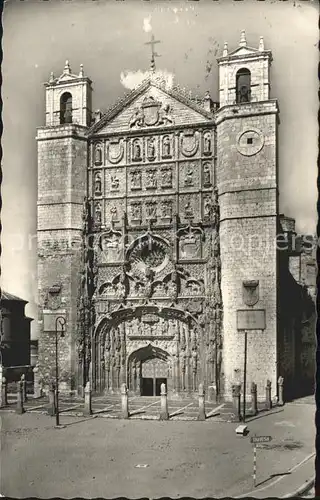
x=108, y=37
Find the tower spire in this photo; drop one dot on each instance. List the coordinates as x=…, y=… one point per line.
x=243, y=40
x=154, y=54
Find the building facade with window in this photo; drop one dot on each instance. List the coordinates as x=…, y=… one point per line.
x=157, y=227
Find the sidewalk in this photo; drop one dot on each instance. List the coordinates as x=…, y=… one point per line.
x=289, y=485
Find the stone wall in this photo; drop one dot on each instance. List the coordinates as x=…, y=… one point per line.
x=247, y=184
x=62, y=162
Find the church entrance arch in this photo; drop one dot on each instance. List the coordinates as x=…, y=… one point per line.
x=145, y=346
x=148, y=368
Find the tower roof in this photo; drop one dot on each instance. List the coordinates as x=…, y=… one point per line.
x=243, y=50
x=5, y=296
x=67, y=76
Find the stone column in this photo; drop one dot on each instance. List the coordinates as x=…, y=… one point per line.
x=52, y=400
x=4, y=392
x=268, y=395
x=124, y=401
x=19, y=408
x=87, y=400
x=37, y=389
x=164, y=414
x=24, y=387
x=236, y=395
x=280, y=391
x=202, y=411
x=254, y=399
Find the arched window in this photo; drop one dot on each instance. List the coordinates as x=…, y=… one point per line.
x=66, y=108
x=243, y=85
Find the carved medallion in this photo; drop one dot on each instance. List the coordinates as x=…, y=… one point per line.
x=250, y=142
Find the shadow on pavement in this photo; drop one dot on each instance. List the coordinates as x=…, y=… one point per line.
x=273, y=476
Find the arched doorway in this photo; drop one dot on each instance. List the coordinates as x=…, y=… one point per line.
x=148, y=368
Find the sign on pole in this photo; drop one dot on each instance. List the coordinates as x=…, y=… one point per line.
x=261, y=439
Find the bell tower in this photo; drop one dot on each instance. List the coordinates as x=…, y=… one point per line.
x=247, y=182
x=62, y=185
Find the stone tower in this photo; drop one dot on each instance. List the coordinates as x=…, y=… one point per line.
x=62, y=171
x=246, y=125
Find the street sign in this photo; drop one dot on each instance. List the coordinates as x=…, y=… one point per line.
x=251, y=319
x=261, y=439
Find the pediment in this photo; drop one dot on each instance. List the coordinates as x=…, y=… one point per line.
x=244, y=51
x=151, y=106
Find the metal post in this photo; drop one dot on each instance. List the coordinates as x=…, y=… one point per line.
x=62, y=321
x=255, y=465
x=245, y=375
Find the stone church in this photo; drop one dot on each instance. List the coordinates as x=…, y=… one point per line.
x=157, y=229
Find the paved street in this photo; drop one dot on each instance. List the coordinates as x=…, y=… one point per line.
x=100, y=456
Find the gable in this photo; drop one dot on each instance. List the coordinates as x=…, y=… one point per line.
x=152, y=108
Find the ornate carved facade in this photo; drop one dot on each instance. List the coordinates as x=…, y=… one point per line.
x=157, y=262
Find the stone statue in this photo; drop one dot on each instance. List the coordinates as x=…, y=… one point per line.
x=188, y=210
x=120, y=290
x=206, y=175
x=151, y=178
x=166, y=146
x=136, y=150
x=166, y=209
x=97, y=184
x=188, y=180
x=164, y=115
x=137, y=118
x=151, y=149
x=114, y=213
x=166, y=176
x=97, y=212
x=136, y=211
x=136, y=179
x=207, y=207
x=98, y=155
x=207, y=143
x=151, y=210
x=114, y=182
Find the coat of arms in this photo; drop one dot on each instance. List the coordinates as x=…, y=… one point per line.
x=115, y=151
x=250, y=292
x=150, y=113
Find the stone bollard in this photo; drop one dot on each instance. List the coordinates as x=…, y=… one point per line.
x=19, y=408
x=164, y=414
x=202, y=411
x=4, y=392
x=254, y=399
x=37, y=389
x=280, y=391
x=52, y=400
x=24, y=387
x=268, y=395
x=124, y=401
x=87, y=400
x=236, y=395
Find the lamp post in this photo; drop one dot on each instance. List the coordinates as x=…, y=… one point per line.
x=60, y=320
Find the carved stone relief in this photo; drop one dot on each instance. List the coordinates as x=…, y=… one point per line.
x=166, y=177
x=151, y=178
x=136, y=179
x=135, y=211
x=207, y=181
x=110, y=245
x=189, y=143
x=97, y=184
x=151, y=113
x=136, y=150
x=97, y=155
x=115, y=150
x=167, y=147
x=151, y=149
x=207, y=143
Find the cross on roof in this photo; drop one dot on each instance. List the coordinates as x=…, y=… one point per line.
x=154, y=54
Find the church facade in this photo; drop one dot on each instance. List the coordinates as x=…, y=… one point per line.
x=157, y=229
